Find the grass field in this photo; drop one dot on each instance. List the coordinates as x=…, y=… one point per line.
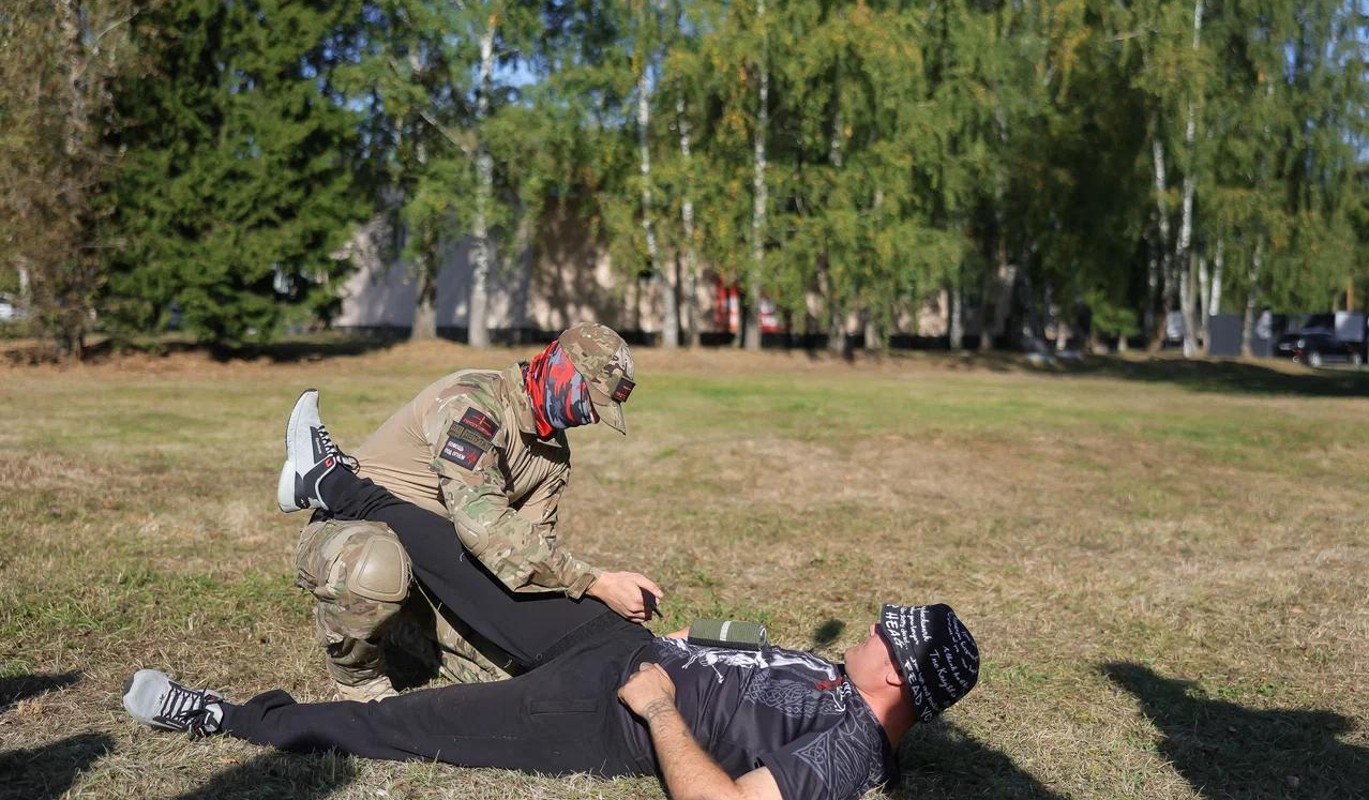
x=1164, y=563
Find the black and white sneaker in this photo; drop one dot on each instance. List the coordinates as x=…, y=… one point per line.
x=309, y=456
x=154, y=699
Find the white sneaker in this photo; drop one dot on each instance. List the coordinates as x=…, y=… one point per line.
x=309, y=456
x=154, y=699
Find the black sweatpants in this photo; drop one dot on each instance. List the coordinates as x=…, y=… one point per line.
x=529, y=627
x=562, y=717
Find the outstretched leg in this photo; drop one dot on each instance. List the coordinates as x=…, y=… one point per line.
x=562, y=719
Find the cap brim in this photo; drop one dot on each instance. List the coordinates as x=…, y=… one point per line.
x=900, y=649
x=894, y=656
x=611, y=414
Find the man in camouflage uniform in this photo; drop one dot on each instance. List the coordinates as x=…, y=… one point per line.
x=482, y=450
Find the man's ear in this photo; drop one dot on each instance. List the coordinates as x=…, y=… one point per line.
x=893, y=677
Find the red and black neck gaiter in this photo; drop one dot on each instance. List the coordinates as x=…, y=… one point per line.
x=560, y=395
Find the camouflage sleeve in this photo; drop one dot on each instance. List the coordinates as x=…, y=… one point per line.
x=511, y=545
x=542, y=505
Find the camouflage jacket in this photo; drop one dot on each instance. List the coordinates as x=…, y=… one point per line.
x=467, y=447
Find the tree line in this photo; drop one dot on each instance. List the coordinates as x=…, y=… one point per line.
x=200, y=161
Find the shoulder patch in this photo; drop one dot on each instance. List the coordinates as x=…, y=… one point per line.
x=469, y=438
x=479, y=422
x=461, y=453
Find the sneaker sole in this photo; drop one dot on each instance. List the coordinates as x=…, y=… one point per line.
x=127, y=699
x=285, y=486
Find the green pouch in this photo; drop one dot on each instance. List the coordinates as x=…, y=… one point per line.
x=728, y=633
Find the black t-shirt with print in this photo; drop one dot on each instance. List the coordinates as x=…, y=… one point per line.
x=786, y=710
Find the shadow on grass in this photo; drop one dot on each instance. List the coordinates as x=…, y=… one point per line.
x=278, y=776
x=1263, y=377
x=22, y=687
x=318, y=349
x=1232, y=377
x=1225, y=750
x=47, y=772
x=292, y=351
x=941, y=761
x=827, y=634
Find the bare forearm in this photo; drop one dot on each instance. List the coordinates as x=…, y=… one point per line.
x=689, y=771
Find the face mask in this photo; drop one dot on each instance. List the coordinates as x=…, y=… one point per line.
x=560, y=395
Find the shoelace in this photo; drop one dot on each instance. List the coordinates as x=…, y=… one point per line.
x=185, y=708
x=330, y=449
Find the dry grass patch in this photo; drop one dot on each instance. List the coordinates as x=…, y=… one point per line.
x=1165, y=572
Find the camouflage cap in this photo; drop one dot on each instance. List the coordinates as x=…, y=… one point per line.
x=602, y=357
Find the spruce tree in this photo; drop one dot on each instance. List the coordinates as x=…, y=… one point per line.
x=236, y=183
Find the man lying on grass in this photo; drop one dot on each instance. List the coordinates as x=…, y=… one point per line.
x=612, y=700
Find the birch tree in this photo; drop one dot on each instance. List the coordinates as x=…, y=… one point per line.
x=684, y=86
x=760, y=189
x=1183, y=246
x=57, y=61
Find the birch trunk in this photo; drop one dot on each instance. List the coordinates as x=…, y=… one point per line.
x=1182, y=258
x=1204, y=299
x=70, y=328
x=751, y=328
x=69, y=16
x=527, y=252
x=1189, y=307
x=834, y=144
x=482, y=251
x=670, y=330
x=874, y=341
x=988, y=327
x=957, y=326
x=1252, y=299
x=1152, y=287
x=425, y=304
x=1063, y=331
x=836, y=321
x=1214, y=303
x=691, y=259
x=988, y=324
x=1157, y=149
x=426, y=266
x=867, y=314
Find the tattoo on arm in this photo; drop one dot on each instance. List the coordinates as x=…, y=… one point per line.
x=656, y=708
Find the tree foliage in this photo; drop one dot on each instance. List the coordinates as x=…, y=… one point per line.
x=235, y=183
x=57, y=60
x=847, y=161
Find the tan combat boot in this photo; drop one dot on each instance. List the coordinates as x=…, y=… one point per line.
x=377, y=688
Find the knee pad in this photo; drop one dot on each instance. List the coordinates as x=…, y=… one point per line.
x=350, y=562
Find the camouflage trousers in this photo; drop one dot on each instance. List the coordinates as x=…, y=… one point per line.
x=374, y=621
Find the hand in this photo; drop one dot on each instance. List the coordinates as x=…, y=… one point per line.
x=626, y=593
x=648, y=692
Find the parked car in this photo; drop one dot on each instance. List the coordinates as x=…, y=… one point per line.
x=1284, y=347
x=1316, y=349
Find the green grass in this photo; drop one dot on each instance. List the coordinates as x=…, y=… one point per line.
x=1163, y=562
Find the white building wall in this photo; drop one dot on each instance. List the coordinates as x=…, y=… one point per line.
x=571, y=279
x=383, y=293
